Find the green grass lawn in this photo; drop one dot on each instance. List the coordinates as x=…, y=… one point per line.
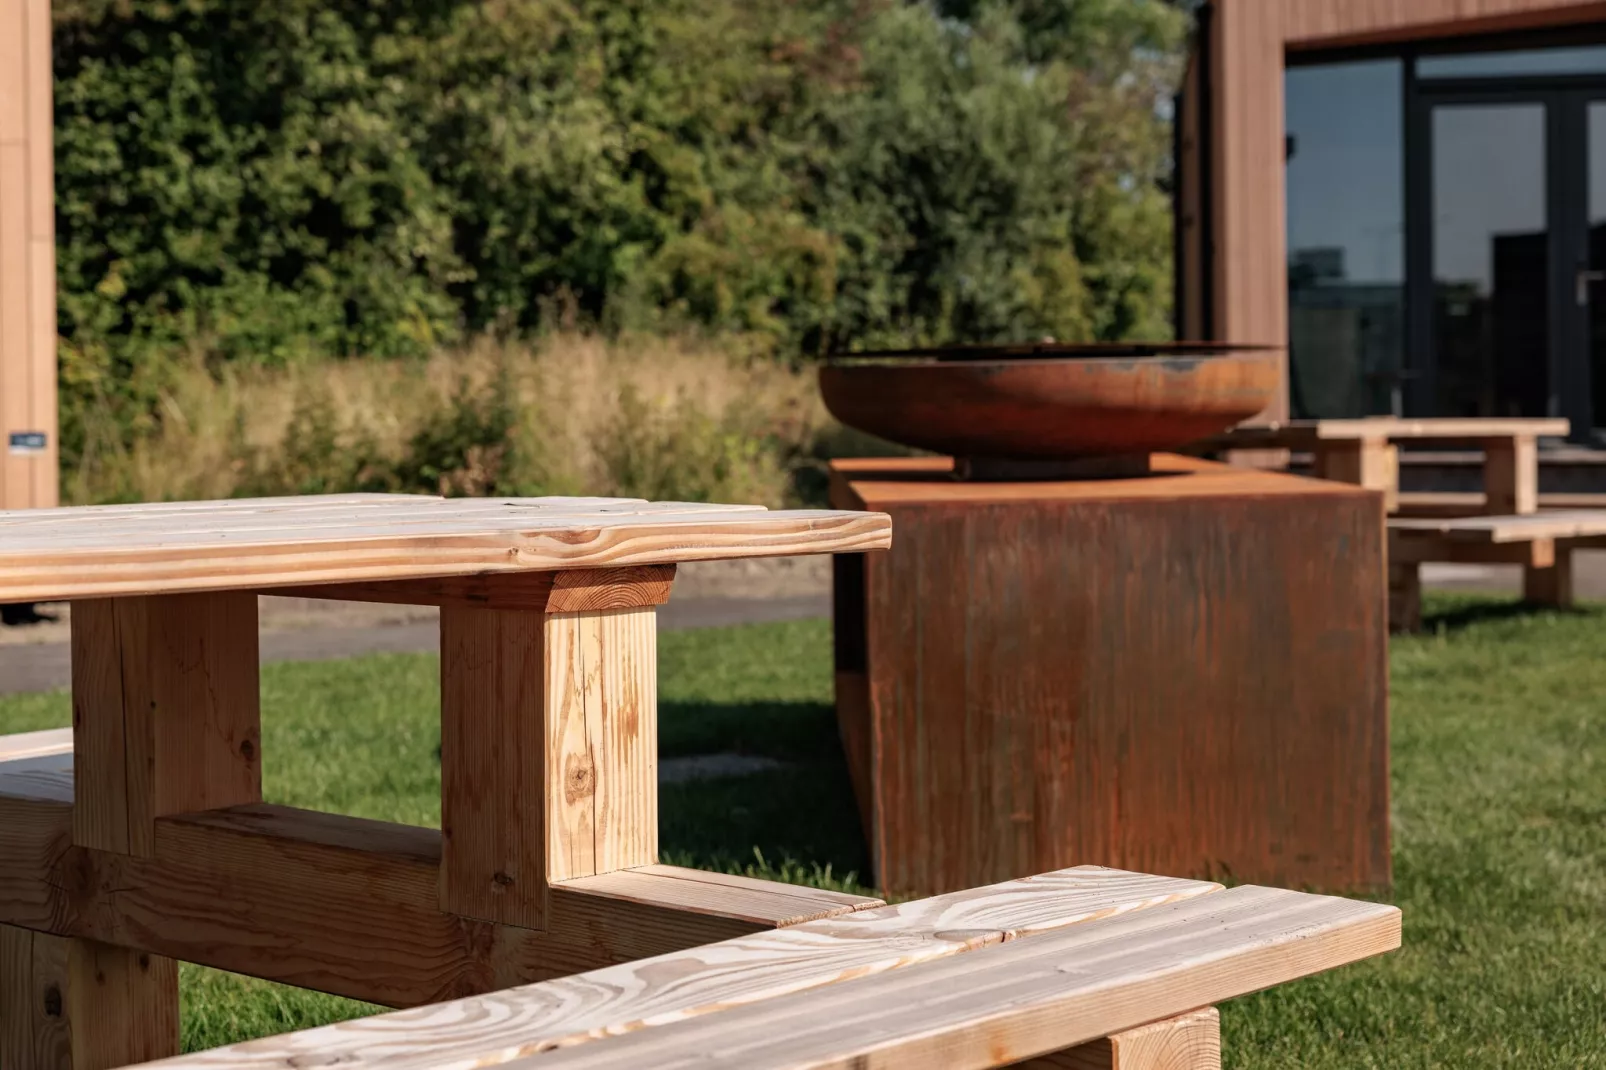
x=1499, y=766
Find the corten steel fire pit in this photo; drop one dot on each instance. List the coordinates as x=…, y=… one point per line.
x=1084, y=650
x=1052, y=410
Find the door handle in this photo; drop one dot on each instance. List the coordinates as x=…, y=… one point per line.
x=1584, y=278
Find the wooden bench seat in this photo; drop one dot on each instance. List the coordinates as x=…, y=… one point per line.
x=1446, y=503
x=1541, y=542
x=1084, y=967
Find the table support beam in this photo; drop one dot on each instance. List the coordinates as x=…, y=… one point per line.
x=1511, y=475
x=549, y=743
x=165, y=712
x=351, y=906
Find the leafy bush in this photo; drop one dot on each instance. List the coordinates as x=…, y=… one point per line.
x=269, y=183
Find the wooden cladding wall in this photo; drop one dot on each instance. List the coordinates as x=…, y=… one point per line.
x=1247, y=41
x=1331, y=23
x=27, y=259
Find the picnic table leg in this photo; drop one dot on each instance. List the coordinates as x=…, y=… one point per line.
x=81, y=1005
x=1188, y=1042
x=1552, y=584
x=1511, y=476
x=549, y=742
x=1405, y=596
x=165, y=721
x=1372, y=463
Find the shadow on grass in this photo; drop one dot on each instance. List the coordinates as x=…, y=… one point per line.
x=799, y=822
x=787, y=731
x=1453, y=613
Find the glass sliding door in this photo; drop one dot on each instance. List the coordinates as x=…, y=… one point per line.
x=1489, y=219
x=1447, y=230
x=1346, y=235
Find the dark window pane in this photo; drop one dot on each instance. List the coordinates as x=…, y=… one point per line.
x=1346, y=238
x=1491, y=249
x=1588, y=59
x=1589, y=287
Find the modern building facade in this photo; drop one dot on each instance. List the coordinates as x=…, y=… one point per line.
x=1410, y=193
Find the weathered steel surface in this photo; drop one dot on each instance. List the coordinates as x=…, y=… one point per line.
x=1183, y=674
x=1050, y=408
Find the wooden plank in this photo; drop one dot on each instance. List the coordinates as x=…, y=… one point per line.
x=1248, y=261
x=602, y=742
x=315, y=512
x=1306, y=434
x=332, y=903
x=1189, y=1041
x=1550, y=584
x=1365, y=462
x=110, y=562
x=1418, y=504
x=121, y=1005
x=1335, y=23
x=79, y=1005
x=32, y=744
x=15, y=335
x=742, y=898
x=44, y=474
x=1560, y=524
x=165, y=713
x=551, y=592
x=100, y=734
x=504, y=1025
x=1511, y=476
x=13, y=72
x=1416, y=548
x=1023, y=998
x=493, y=764
x=33, y=1017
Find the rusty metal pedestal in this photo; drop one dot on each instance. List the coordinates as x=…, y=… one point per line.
x=1181, y=673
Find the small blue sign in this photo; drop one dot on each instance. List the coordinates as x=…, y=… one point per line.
x=27, y=442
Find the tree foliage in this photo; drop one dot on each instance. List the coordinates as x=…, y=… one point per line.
x=379, y=177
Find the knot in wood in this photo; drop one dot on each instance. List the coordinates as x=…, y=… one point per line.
x=579, y=779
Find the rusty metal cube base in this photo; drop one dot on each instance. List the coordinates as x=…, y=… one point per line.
x=1182, y=673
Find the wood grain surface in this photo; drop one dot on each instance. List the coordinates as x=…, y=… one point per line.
x=165, y=712
x=501, y=1026
x=344, y=905
x=1305, y=434
x=1189, y=1041
x=493, y=765
x=1558, y=524
x=551, y=592
x=1023, y=998
x=93, y=551
x=602, y=741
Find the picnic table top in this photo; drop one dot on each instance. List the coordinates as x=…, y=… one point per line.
x=102, y=551
x=1295, y=433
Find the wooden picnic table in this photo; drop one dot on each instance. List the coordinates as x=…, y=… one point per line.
x=146, y=839
x=1365, y=451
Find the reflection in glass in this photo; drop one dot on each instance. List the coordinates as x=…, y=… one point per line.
x=1592, y=290
x=1589, y=59
x=1491, y=247
x=1346, y=207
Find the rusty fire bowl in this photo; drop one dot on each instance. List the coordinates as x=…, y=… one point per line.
x=1051, y=409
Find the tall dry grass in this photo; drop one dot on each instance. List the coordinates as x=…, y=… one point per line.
x=642, y=416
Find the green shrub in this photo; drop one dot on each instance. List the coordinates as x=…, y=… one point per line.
x=271, y=183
